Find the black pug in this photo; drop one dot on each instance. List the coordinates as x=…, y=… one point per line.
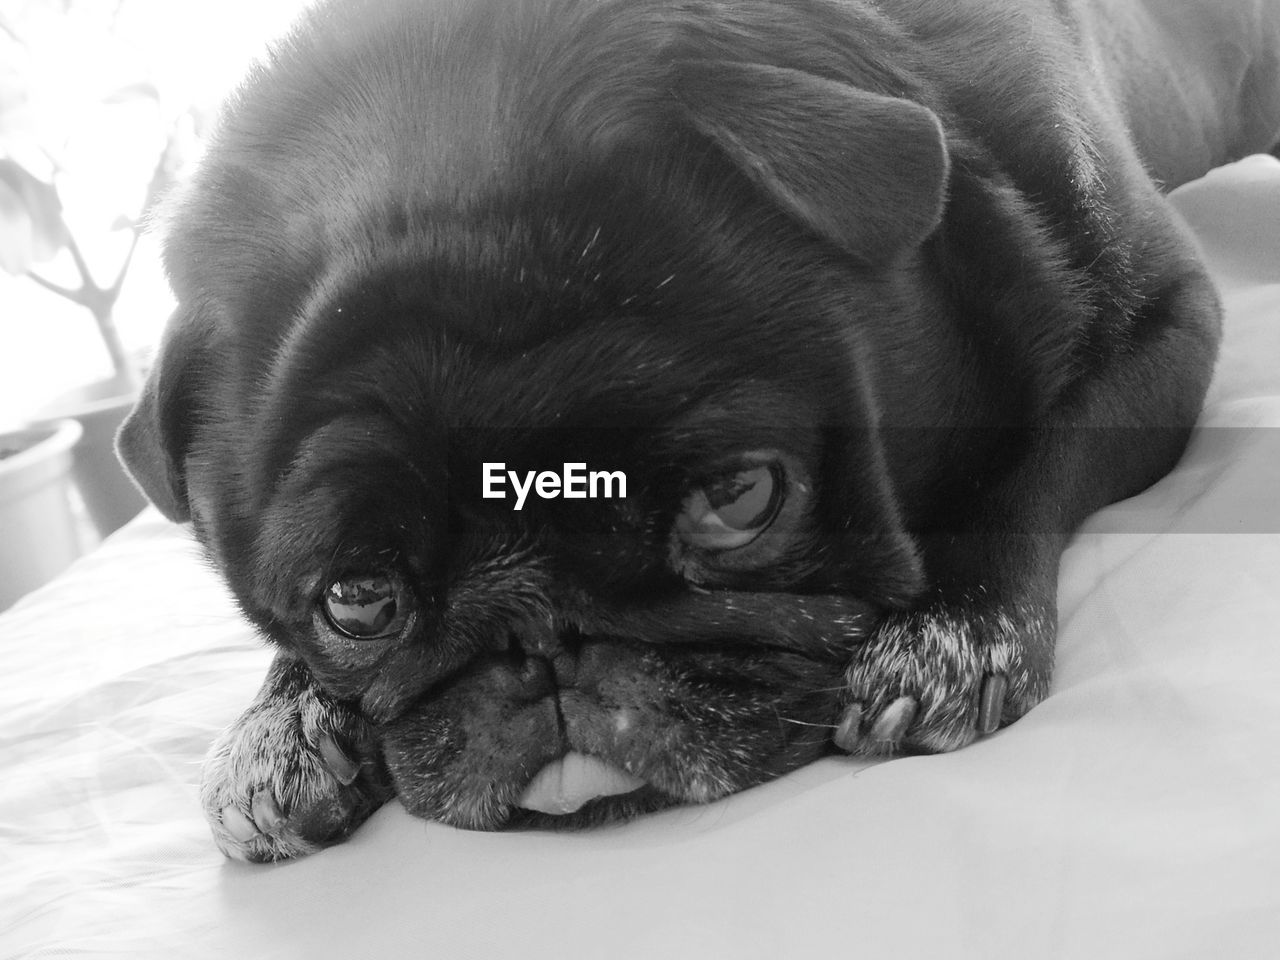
x=610, y=404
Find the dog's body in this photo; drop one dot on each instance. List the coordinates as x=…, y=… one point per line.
x=898, y=271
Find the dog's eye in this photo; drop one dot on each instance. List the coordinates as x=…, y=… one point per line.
x=368, y=608
x=732, y=511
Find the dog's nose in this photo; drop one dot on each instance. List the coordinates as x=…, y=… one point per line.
x=544, y=655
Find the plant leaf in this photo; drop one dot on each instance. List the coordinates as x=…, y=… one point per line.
x=16, y=234
x=31, y=224
x=141, y=90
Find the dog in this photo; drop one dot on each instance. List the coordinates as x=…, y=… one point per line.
x=609, y=404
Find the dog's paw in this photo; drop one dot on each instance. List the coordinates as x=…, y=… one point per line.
x=293, y=774
x=934, y=680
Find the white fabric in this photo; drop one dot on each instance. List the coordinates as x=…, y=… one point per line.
x=1136, y=813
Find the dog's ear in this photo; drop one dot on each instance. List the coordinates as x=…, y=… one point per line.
x=153, y=440
x=866, y=171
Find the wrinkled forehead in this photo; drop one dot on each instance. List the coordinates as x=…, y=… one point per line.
x=540, y=328
x=566, y=325
x=601, y=395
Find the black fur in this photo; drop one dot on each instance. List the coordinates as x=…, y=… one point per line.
x=910, y=247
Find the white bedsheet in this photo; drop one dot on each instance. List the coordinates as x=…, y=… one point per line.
x=1136, y=813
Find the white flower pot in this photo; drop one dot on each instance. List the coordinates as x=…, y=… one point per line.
x=38, y=534
x=109, y=495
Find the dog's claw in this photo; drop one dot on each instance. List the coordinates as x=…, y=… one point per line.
x=992, y=704
x=885, y=734
x=848, y=732
x=893, y=722
x=238, y=825
x=344, y=769
x=266, y=812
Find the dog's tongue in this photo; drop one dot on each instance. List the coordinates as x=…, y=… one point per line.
x=564, y=785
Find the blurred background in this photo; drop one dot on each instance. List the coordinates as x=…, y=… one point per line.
x=104, y=107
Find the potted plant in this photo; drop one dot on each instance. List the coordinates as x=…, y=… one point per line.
x=40, y=533
x=80, y=168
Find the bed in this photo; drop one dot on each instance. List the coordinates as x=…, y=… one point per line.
x=1135, y=813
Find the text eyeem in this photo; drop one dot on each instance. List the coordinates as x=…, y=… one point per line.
x=573, y=482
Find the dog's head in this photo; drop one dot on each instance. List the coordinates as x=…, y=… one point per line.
x=514, y=386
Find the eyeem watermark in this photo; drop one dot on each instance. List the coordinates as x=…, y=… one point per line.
x=573, y=482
